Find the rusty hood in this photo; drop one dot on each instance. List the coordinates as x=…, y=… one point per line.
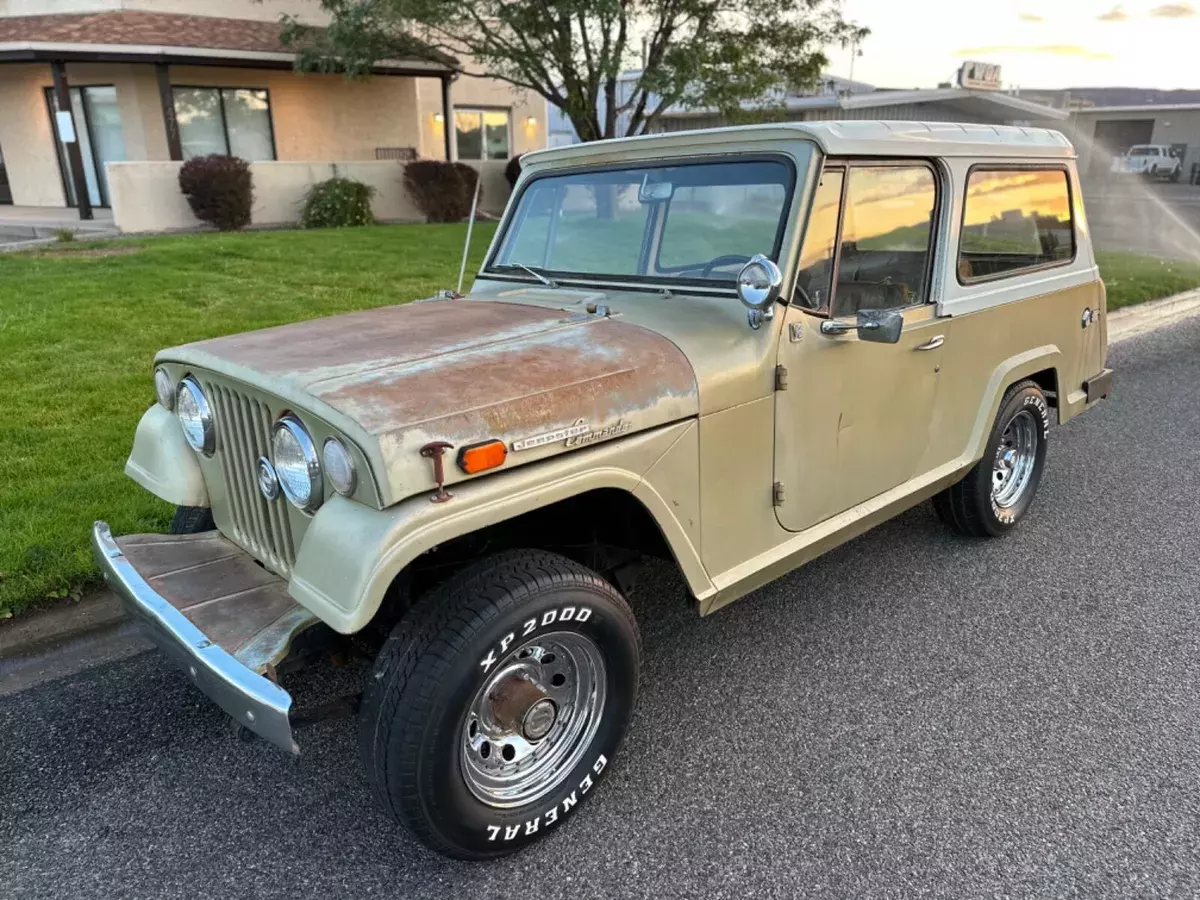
x=544, y=381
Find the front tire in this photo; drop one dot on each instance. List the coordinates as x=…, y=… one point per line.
x=995, y=495
x=496, y=704
x=192, y=520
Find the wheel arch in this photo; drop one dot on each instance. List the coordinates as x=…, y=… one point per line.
x=1040, y=365
x=352, y=557
x=602, y=528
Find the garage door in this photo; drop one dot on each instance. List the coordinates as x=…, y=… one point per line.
x=1114, y=137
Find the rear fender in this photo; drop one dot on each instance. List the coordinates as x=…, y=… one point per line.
x=1008, y=373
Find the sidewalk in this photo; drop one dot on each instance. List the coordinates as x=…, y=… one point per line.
x=22, y=227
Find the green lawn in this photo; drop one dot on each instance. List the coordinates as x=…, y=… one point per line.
x=79, y=329
x=1131, y=278
x=78, y=333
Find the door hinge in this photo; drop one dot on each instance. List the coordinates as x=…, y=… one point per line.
x=777, y=494
x=781, y=378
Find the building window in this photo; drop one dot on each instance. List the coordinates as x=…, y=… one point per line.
x=229, y=121
x=5, y=191
x=1015, y=220
x=482, y=133
x=97, y=122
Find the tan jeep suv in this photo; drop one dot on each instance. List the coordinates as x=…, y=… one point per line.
x=733, y=349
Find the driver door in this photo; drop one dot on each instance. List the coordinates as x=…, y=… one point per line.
x=855, y=419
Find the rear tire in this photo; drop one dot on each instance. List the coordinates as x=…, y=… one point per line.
x=995, y=495
x=192, y=520
x=496, y=702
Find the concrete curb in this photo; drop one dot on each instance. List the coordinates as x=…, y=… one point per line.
x=1146, y=317
x=99, y=617
x=48, y=628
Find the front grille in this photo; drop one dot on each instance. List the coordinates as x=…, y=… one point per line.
x=243, y=435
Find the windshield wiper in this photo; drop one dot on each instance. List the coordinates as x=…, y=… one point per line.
x=548, y=282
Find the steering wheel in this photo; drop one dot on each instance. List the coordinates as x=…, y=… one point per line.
x=726, y=260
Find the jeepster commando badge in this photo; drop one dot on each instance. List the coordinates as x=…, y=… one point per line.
x=600, y=434
x=552, y=437
x=579, y=434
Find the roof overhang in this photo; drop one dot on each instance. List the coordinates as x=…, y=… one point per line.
x=884, y=99
x=1145, y=108
x=40, y=51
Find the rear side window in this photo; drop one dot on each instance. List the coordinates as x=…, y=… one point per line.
x=1015, y=220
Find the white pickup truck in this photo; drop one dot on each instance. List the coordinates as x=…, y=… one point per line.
x=1151, y=160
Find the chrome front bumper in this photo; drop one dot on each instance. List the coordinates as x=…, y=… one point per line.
x=208, y=579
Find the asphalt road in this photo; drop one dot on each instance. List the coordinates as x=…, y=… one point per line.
x=912, y=715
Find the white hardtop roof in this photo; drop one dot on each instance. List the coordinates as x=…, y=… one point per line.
x=846, y=138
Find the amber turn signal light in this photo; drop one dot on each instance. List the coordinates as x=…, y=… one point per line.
x=481, y=457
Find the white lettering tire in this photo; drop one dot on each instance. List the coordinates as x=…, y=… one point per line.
x=463, y=666
x=996, y=493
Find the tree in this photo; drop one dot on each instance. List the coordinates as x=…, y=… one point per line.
x=712, y=54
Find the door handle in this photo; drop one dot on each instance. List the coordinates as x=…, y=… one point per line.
x=933, y=343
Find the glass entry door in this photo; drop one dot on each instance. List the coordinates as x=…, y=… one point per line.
x=5, y=190
x=98, y=130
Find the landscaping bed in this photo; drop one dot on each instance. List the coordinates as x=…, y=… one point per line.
x=79, y=329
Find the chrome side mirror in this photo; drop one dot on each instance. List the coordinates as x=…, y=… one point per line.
x=758, y=286
x=879, y=326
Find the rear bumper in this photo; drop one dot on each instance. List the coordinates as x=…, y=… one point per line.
x=1099, y=386
x=248, y=697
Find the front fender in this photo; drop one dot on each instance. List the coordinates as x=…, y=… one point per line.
x=351, y=553
x=162, y=462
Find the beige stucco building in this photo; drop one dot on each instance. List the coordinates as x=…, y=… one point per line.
x=86, y=83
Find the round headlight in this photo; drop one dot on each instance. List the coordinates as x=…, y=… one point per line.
x=164, y=388
x=191, y=406
x=296, y=464
x=339, y=466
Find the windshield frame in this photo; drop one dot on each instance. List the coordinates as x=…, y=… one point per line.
x=648, y=281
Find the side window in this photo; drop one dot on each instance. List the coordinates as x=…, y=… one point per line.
x=814, y=282
x=887, y=230
x=1014, y=220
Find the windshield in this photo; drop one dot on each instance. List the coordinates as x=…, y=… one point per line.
x=692, y=222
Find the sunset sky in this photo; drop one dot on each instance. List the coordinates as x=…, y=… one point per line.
x=1068, y=43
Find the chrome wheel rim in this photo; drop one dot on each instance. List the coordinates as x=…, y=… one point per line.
x=533, y=719
x=1012, y=469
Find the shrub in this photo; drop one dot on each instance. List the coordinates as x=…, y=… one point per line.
x=442, y=190
x=513, y=171
x=338, y=203
x=219, y=190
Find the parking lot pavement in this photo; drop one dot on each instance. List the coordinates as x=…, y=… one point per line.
x=1155, y=218
x=913, y=714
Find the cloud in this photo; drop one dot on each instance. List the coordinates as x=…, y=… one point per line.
x=1173, y=11
x=1047, y=49
x=1031, y=17
x=1116, y=14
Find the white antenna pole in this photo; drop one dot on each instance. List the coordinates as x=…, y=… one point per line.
x=462, y=271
